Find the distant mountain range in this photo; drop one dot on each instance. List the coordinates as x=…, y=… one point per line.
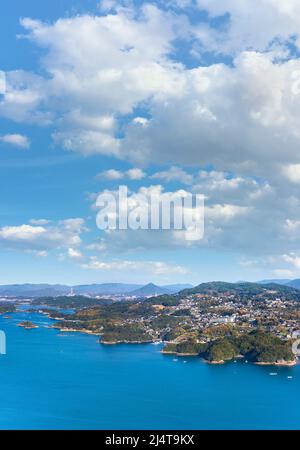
x=137, y=290
x=33, y=290
x=56, y=290
x=291, y=283
x=105, y=289
x=219, y=287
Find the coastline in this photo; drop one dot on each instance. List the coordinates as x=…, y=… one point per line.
x=178, y=354
x=74, y=330
x=278, y=363
x=124, y=342
x=131, y=365
x=27, y=327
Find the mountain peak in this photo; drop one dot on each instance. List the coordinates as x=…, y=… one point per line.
x=150, y=289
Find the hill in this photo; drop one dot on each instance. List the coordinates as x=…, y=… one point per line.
x=33, y=290
x=291, y=283
x=150, y=290
x=220, y=287
x=294, y=283
x=57, y=290
x=276, y=281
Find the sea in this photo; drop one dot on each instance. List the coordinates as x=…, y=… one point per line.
x=54, y=380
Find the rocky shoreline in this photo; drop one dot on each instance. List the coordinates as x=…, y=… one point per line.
x=280, y=363
x=84, y=331
x=74, y=330
x=166, y=352
x=27, y=325
x=124, y=342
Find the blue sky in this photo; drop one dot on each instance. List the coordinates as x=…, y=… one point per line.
x=201, y=96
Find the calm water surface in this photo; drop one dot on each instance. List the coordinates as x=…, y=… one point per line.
x=51, y=380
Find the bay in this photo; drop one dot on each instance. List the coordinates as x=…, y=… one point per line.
x=53, y=380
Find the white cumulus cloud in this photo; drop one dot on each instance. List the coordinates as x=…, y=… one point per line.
x=44, y=236
x=15, y=140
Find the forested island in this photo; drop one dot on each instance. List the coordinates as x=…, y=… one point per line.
x=27, y=325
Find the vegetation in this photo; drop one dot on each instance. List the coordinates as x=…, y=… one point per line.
x=7, y=308
x=186, y=348
x=128, y=334
x=256, y=347
x=221, y=350
x=218, y=321
x=164, y=300
x=264, y=347
x=27, y=324
x=67, y=302
x=164, y=321
x=249, y=289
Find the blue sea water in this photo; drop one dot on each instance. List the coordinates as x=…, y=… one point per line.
x=50, y=380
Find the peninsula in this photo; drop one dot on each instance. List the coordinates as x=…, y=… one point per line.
x=218, y=322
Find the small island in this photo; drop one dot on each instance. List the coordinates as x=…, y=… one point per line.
x=27, y=325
